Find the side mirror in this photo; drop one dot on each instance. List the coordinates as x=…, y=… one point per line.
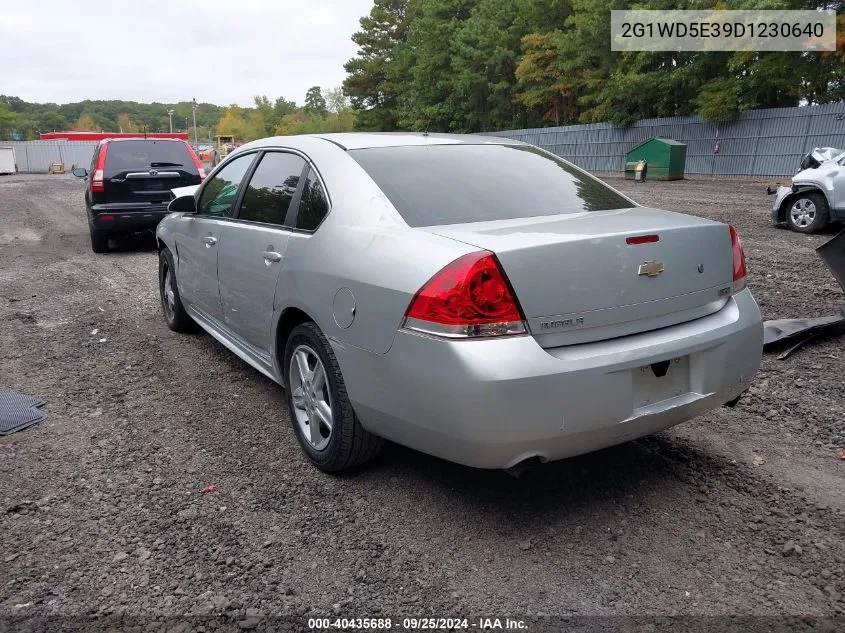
x=80, y=172
x=183, y=204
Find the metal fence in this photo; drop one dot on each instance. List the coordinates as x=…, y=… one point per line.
x=36, y=156
x=756, y=143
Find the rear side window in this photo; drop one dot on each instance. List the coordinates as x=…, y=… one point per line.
x=271, y=188
x=450, y=184
x=147, y=154
x=314, y=204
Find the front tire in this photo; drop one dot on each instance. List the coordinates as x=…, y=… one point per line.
x=320, y=411
x=171, y=303
x=99, y=241
x=807, y=212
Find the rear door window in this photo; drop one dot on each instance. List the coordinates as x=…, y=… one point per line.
x=148, y=154
x=272, y=188
x=450, y=184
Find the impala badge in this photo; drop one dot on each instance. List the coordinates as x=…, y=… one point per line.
x=651, y=269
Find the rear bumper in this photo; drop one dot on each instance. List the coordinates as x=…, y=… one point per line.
x=126, y=218
x=494, y=403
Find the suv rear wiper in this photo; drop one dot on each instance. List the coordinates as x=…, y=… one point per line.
x=165, y=164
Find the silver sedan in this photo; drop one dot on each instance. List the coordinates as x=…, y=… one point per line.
x=475, y=298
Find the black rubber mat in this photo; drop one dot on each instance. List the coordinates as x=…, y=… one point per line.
x=18, y=411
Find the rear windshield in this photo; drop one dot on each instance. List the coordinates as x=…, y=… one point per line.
x=123, y=155
x=449, y=184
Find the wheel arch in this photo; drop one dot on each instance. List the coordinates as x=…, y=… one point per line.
x=288, y=319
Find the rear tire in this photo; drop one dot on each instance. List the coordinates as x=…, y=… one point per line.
x=807, y=212
x=171, y=303
x=99, y=241
x=345, y=443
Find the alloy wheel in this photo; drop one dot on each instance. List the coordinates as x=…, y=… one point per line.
x=312, y=403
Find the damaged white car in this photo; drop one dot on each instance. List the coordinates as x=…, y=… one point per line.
x=817, y=194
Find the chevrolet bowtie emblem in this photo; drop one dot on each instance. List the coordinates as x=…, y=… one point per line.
x=651, y=269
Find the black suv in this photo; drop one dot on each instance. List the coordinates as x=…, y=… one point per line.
x=129, y=184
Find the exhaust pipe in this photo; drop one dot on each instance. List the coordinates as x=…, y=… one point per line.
x=519, y=468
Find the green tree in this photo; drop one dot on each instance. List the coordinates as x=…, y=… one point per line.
x=485, y=57
x=86, y=123
x=282, y=106
x=51, y=121
x=372, y=80
x=336, y=101
x=424, y=63
x=233, y=123
x=7, y=120
x=314, y=101
x=125, y=123
x=264, y=120
x=541, y=85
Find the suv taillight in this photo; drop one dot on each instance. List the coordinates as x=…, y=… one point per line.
x=739, y=269
x=197, y=162
x=97, y=176
x=471, y=297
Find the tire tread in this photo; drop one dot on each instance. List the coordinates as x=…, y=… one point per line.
x=99, y=241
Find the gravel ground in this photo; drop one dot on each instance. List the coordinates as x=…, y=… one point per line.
x=101, y=511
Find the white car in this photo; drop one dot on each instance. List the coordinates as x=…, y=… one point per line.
x=817, y=194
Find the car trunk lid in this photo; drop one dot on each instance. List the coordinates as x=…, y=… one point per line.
x=603, y=274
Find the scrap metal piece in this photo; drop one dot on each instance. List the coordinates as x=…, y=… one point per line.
x=782, y=329
x=800, y=343
x=832, y=254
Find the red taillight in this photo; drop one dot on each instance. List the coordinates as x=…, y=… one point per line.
x=642, y=239
x=105, y=217
x=739, y=268
x=469, y=297
x=197, y=162
x=97, y=176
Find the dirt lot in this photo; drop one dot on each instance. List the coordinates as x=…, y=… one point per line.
x=100, y=504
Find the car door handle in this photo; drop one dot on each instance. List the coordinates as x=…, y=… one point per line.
x=209, y=241
x=271, y=256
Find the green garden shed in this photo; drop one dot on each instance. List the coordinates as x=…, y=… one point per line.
x=666, y=159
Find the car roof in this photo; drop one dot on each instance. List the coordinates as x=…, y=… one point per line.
x=141, y=138
x=363, y=140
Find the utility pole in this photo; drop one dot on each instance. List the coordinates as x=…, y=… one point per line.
x=194, y=108
x=170, y=114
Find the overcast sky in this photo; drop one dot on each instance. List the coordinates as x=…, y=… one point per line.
x=218, y=51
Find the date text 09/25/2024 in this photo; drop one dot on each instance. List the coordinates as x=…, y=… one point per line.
x=417, y=624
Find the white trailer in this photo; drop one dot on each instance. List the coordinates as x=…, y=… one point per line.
x=7, y=160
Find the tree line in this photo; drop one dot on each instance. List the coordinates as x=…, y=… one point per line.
x=475, y=65
x=322, y=111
